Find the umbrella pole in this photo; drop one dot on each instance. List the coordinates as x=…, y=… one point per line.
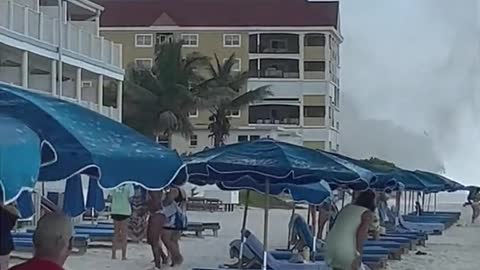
x=429, y=201
x=404, y=203
x=435, y=203
x=314, y=229
x=265, y=224
x=244, y=225
x=423, y=200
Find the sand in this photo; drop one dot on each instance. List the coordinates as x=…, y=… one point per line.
x=458, y=248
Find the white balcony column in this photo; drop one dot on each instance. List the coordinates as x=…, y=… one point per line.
x=100, y=93
x=25, y=69
x=301, y=46
x=120, y=99
x=301, y=112
x=78, y=85
x=40, y=25
x=53, y=77
x=25, y=20
x=10, y=14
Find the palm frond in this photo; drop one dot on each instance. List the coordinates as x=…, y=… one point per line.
x=251, y=96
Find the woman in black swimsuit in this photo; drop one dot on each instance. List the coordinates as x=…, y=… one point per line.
x=156, y=221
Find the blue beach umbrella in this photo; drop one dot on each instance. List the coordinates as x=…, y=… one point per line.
x=85, y=142
x=73, y=199
x=95, y=196
x=277, y=162
x=19, y=158
x=312, y=193
x=439, y=183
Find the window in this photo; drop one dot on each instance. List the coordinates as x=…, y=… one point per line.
x=193, y=113
x=243, y=138
x=315, y=40
x=193, y=140
x=190, y=40
x=164, y=38
x=163, y=140
x=246, y=138
x=330, y=146
x=314, y=66
x=233, y=113
x=87, y=84
x=144, y=63
x=232, y=40
x=314, y=111
x=237, y=66
x=143, y=40
x=278, y=44
x=254, y=138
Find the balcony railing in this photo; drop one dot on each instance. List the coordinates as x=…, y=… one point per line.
x=25, y=21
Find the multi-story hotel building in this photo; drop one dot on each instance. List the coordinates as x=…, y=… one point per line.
x=37, y=48
x=292, y=45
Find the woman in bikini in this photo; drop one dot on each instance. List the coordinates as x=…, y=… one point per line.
x=174, y=207
x=156, y=221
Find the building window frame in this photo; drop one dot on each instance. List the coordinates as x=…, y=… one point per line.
x=193, y=140
x=188, y=38
x=144, y=36
x=239, y=61
x=149, y=66
x=87, y=84
x=193, y=115
x=232, y=39
x=233, y=113
x=319, y=115
x=310, y=43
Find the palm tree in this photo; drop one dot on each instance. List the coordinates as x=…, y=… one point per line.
x=225, y=80
x=157, y=101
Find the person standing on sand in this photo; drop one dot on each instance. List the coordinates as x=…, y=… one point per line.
x=52, y=242
x=344, y=243
x=174, y=209
x=156, y=221
x=120, y=213
x=137, y=226
x=8, y=219
x=473, y=199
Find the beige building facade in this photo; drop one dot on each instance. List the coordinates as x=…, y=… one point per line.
x=297, y=55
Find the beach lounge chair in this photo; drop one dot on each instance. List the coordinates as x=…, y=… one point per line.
x=23, y=241
x=428, y=228
x=256, y=247
x=302, y=236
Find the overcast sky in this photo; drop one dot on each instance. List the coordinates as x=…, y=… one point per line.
x=415, y=64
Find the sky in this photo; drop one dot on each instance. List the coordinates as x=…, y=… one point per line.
x=410, y=81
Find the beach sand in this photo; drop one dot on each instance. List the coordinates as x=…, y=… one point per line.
x=458, y=248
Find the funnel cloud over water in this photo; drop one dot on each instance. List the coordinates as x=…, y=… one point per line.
x=410, y=81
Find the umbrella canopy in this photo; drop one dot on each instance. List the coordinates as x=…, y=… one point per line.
x=19, y=158
x=313, y=193
x=86, y=142
x=392, y=177
x=441, y=183
x=277, y=162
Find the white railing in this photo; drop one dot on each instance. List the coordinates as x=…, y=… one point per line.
x=36, y=25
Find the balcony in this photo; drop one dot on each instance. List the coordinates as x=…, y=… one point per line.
x=274, y=115
x=41, y=30
x=274, y=68
x=274, y=43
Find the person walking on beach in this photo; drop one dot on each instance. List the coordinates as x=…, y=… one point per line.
x=473, y=199
x=156, y=221
x=325, y=212
x=137, y=226
x=8, y=219
x=120, y=212
x=344, y=243
x=52, y=242
x=174, y=209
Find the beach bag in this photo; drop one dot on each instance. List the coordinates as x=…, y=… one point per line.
x=180, y=220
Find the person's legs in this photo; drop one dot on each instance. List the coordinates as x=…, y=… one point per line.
x=124, y=237
x=323, y=217
x=4, y=262
x=175, y=238
x=153, y=236
x=115, y=239
x=167, y=238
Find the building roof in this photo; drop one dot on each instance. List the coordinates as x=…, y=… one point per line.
x=219, y=13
